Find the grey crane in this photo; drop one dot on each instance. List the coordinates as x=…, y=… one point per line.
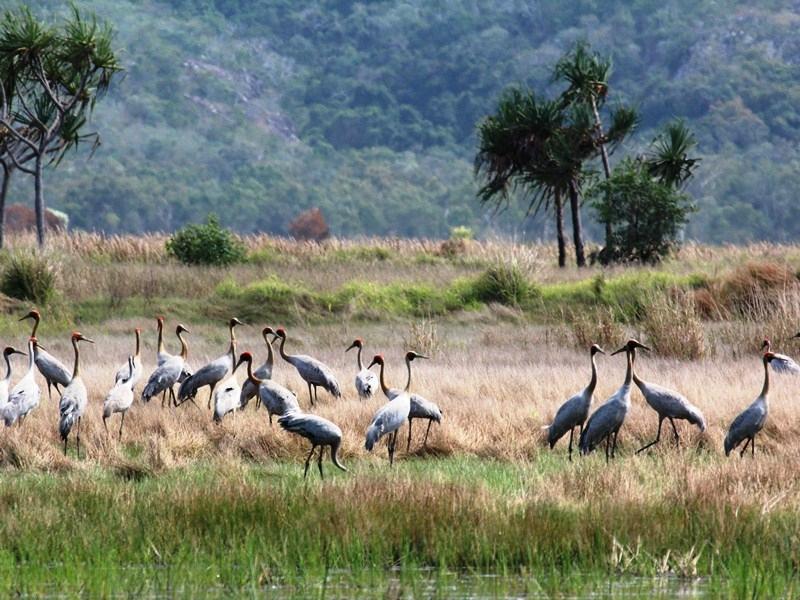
x=165, y=376
x=25, y=394
x=366, y=380
x=573, y=412
x=131, y=371
x=669, y=405
x=249, y=388
x=320, y=432
x=162, y=356
x=421, y=408
x=605, y=422
x=314, y=373
x=750, y=421
x=73, y=398
x=120, y=398
x=212, y=373
x=781, y=363
x=389, y=418
x=52, y=369
x=275, y=398
x=6, y=380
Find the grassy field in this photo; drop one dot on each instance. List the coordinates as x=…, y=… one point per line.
x=183, y=506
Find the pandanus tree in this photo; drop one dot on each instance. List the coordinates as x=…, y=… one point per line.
x=52, y=77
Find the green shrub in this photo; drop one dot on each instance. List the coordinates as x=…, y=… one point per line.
x=29, y=277
x=208, y=244
x=504, y=284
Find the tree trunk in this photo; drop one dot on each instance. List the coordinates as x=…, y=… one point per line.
x=3, y=194
x=562, y=249
x=38, y=200
x=604, y=156
x=577, y=233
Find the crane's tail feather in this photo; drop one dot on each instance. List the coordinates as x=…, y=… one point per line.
x=66, y=423
x=695, y=417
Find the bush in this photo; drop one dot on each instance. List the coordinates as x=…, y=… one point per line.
x=672, y=325
x=309, y=225
x=208, y=244
x=29, y=277
x=505, y=284
x=597, y=327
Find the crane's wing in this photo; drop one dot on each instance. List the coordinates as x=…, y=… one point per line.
x=784, y=364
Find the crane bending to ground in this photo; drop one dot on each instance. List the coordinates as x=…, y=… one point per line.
x=212, y=373
x=227, y=397
x=120, y=397
x=165, y=376
x=668, y=404
x=751, y=420
x=315, y=373
x=275, y=398
x=25, y=394
x=6, y=380
x=389, y=418
x=53, y=370
x=606, y=421
x=320, y=432
x=366, y=381
x=574, y=412
x=250, y=389
x=73, y=398
x=132, y=369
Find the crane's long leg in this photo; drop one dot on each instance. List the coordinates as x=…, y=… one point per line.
x=121, y=423
x=608, y=442
x=753, y=446
x=427, y=431
x=569, y=448
x=308, y=460
x=746, y=444
x=65, y=444
x=319, y=461
x=392, y=442
x=675, y=431
x=408, y=444
x=658, y=436
x=78, y=435
x=49, y=391
x=211, y=394
x=316, y=393
x=614, y=447
x=310, y=397
x=105, y=425
x=163, y=397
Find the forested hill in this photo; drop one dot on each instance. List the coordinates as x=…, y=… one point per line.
x=258, y=109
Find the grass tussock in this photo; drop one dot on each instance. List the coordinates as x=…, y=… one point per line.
x=29, y=276
x=672, y=326
x=596, y=326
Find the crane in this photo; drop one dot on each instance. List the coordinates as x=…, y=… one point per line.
x=167, y=374
x=73, y=398
x=52, y=369
x=320, y=432
x=389, y=418
x=25, y=394
x=132, y=369
x=314, y=373
x=276, y=398
x=212, y=373
x=366, y=380
x=668, y=404
x=608, y=418
x=161, y=354
x=781, y=363
x=5, y=381
x=750, y=421
x=421, y=408
x=573, y=412
x=120, y=397
x=249, y=388
x=226, y=397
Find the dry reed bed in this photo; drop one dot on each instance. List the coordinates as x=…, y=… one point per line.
x=497, y=388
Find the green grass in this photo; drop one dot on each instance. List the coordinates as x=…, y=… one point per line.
x=223, y=528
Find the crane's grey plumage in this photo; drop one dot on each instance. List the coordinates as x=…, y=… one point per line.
x=781, y=363
x=249, y=388
x=314, y=373
x=573, y=412
x=52, y=369
x=73, y=399
x=131, y=371
x=9, y=409
x=389, y=418
x=226, y=398
x=212, y=373
x=320, y=432
x=605, y=422
x=120, y=398
x=668, y=404
x=275, y=398
x=366, y=381
x=24, y=396
x=165, y=376
x=420, y=407
x=750, y=421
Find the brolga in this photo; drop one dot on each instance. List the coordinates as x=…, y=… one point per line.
x=668, y=404
x=275, y=398
x=164, y=378
x=366, y=380
x=226, y=398
x=6, y=380
x=132, y=369
x=320, y=432
x=750, y=421
x=781, y=363
x=73, y=398
x=421, y=408
x=52, y=369
x=574, y=412
x=605, y=422
x=161, y=354
x=249, y=388
x=120, y=398
x=389, y=418
x=212, y=373
x=314, y=373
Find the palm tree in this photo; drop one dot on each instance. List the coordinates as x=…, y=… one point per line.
x=669, y=161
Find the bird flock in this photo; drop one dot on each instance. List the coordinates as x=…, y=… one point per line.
x=227, y=396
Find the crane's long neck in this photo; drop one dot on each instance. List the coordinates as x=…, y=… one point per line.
x=232, y=348
x=284, y=356
x=636, y=379
x=593, y=380
x=408, y=379
x=270, y=352
x=76, y=369
x=160, y=337
x=629, y=372
x=8, y=366
x=765, y=388
x=138, y=342
x=35, y=325
x=384, y=387
x=358, y=359
x=184, y=346
x=250, y=374
x=31, y=355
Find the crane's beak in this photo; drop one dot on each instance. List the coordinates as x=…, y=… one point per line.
x=374, y=362
x=643, y=347
x=36, y=344
x=85, y=339
x=19, y=352
x=25, y=317
x=600, y=350
x=351, y=346
x=623, y=349
x=423, y=356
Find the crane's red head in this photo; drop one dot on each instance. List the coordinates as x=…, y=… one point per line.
x=181, y=329
x=244, y=357
x=137, y=330
x=77, y=336
x=765, y=345
x=768, y=356
x=234, y=322
x=357, y=343
x=32, y=314
x=595, y=349
x=160, y=319
x=280, y=332
x=631, y=346
x=376, y=360
x=412, y=355
x=9, y=350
